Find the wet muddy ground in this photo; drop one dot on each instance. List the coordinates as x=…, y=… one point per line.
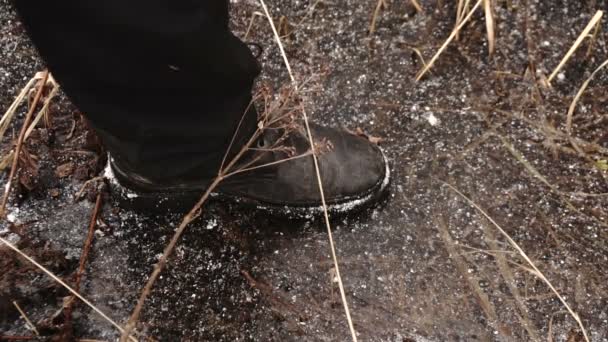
x=424, y=265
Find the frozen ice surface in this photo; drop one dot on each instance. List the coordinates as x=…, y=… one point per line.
x=422, y=265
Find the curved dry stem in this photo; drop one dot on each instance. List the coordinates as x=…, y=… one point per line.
x=578, y=97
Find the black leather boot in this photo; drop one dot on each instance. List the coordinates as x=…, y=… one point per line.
x=354, y=174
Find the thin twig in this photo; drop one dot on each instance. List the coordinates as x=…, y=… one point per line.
x=83, y=260
x=14, y=167
x=238, y=127
x=85, y=185
x=523, y=254
x=29, y=323
x=318, y=174
x=280, y=161
x=186, y=220
x=87, y=244
x=223, y=173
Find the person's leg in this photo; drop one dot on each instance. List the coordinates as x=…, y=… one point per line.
x=164, y=83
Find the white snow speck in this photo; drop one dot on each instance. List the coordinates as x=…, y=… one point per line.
x=432, y=119
x=11, y=217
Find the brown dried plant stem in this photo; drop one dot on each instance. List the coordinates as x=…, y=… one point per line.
x=87, y=244
x=223, y=173
x=318, y=175
x=83, y=260
x=191, y=216
x=26, y=123
x=196, y=210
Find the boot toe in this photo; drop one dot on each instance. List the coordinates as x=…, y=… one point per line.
x=355, y=168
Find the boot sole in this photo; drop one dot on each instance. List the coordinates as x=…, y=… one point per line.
x=183, y=201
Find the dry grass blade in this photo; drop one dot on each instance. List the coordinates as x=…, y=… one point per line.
x=594, y=22
x=7, y=159
x=12, y=109
x=533, y=171
x=14, y=167
x=66, y=286
x=251, y=21
x=10, y=112
x=490, y=25
x=447, y=42
x=318, y=174
x=372, y=24
x=43, y=111
x=509, y=280
x=461, y=11
x=523, y=254
x=578, y=96
x=471, y=279
x=27, y=320
x=416, y=5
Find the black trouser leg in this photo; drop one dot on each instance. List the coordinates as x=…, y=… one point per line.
x=163, y=82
